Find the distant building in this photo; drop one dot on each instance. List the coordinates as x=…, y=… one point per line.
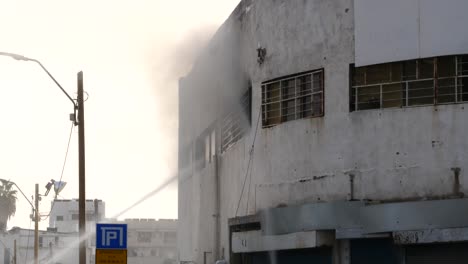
x=151, y=241
x=323, y=131
x=64, y=214
x=54, y=247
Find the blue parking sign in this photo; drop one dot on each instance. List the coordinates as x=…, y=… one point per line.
x=111, y=236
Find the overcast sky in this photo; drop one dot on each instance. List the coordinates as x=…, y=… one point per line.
x=131, y=53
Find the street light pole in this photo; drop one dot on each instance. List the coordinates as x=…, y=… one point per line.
x=78, y=121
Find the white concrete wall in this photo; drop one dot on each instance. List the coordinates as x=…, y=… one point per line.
x=409, y=29
x=394, y=154
x=66, y=208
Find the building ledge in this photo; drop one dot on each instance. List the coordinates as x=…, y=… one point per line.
x=254, y=241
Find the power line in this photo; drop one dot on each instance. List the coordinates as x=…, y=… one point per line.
x=250, y=161
x=3, y=243
x=63, y=169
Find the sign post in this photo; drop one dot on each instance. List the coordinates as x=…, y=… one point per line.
x=111, y=244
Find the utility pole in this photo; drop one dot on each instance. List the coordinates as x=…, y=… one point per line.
x=81, y=159
x=36, y=225
x=81, y=172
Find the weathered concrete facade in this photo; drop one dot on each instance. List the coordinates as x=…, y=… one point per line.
x=381, y=156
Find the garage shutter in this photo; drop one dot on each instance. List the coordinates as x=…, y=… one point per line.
x=437, y=254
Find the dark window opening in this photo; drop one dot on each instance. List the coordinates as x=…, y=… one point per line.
x=235, y=123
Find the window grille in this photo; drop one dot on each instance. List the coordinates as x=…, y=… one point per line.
x=429, y=81
x=293, y=97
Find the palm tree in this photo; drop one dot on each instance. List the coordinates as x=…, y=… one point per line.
x=7, y=203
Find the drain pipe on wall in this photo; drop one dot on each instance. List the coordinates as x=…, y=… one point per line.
x=217, y=213
x=456, y=183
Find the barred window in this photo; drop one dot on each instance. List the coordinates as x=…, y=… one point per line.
x=293, y=97
x=429, y=81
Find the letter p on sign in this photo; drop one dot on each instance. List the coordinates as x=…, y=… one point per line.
x=111, y=236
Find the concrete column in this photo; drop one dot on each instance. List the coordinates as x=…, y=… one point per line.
x=341, y=252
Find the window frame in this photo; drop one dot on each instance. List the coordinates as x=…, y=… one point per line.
x=405, y=82
x=280, y=102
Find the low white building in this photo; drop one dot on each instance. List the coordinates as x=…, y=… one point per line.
x=54, y=247
x=64, y=214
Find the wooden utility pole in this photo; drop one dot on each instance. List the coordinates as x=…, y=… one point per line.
x=81, y=172
x=36, y=225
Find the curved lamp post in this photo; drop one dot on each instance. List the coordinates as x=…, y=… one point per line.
x=78, y=106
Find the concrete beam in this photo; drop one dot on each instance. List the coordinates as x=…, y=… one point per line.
x=430, y=236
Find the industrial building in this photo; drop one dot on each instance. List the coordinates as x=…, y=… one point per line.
x=326, y=131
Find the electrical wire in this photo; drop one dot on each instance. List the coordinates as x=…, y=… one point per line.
x=250, y=161
x=63, y=169
x=250, y=183
x=3, y=243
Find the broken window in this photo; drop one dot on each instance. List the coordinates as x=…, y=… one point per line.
x=205, y=148
x=236, y=122
x=410, y=83
x=293, y=97
x=200, y=157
